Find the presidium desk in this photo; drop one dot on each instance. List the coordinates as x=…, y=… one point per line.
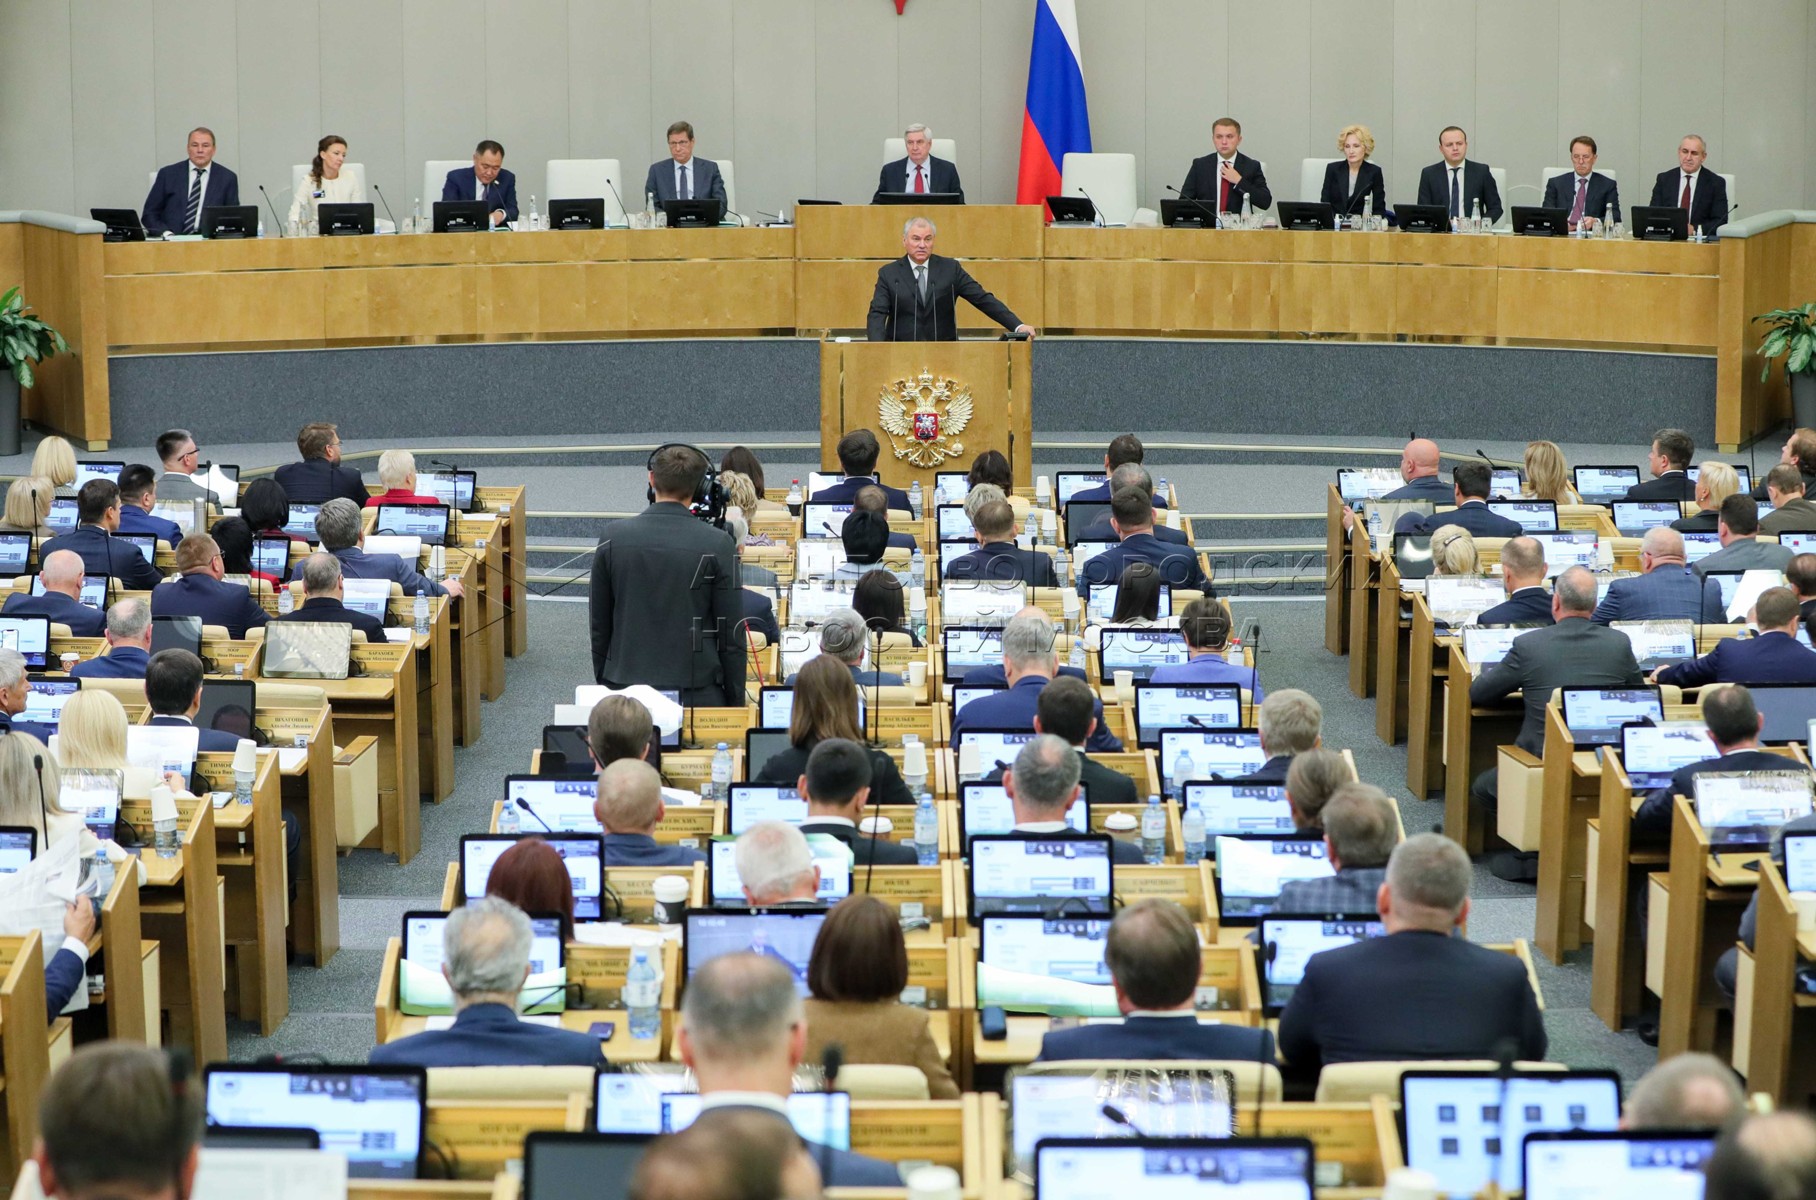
x=817, y=277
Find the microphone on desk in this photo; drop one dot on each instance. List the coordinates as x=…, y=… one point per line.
x=1096, y=212
x=273, y=208
x=525, y=806
x=388, y=213
x=1117, y=1117
x=1194, y=202
x=619, y=199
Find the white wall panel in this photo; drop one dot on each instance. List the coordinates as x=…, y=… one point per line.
x=1352, y=67
x=1765, y=65
x=1681, y=89
x=1598, y=91
x=1167, y=123
x=195, y=77
x=1270, y=89
x=280, y=97
x=775, y=105
x=1514, y=121
x=362, y=94
x=527, y=88
x=1434, y=86
x=445, y=79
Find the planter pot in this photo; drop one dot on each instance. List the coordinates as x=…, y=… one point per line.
x=9, y=413
x=1803, y=401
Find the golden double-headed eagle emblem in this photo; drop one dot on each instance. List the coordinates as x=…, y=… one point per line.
x=923, y=416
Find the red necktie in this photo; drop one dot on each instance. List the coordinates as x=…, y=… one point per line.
x=1685, y=202
x=920, y=181
x=1223, y=199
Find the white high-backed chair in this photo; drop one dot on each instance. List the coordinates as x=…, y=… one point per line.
x=1108, y=179
x=586, y=178
x=894, y=148
x=381, y=223
x=1311, y=178
x=731, y=184
x=1499, y=175
x=434, y=175
x=1733, y=196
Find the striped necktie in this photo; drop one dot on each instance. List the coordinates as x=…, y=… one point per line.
x=193, y=209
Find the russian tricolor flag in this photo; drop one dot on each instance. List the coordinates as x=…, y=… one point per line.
x=1057, y=121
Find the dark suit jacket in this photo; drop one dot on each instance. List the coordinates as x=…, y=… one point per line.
x=327, y=608
x=1204, y=182
x=101, y=555
x=1672, y=485
x=1572, y=653
x=1654, y=815
x=63, y=974
x=211, y=741
x=490, y=1035
x=942, y=176
x=1702, y=522
x=1410, y=995
x=1143, y=1039
x=708, y=184
x=664, y=604
x=462, y=184
x=865, y=847
x=1560, y=192
x=317, y=481
x=1272, y=771
x=1100, y=494
x=1477, y=184
x=1001, y=562
x=1425, y=487
x=134, y=519
x=759, y=614
x=886, y=786
x=1101, y=530
x=846, y=490
x=1102, y=785
x=642, y=850
x=897, y=313
x=215, y=601
x=357, y=564
x=1369, y=182
x=1473, y=516
x=168, y=200
x=1769, y=658
x=1667, y=593
x=1015, y=709
x=1529, y=605
x=122, y=662
x=1760, y=493
x=1708, y=200
x=1796, y=515
x=1177, y=565
x=82, y=620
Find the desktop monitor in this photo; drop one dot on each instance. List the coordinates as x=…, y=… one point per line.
x=1744, y=810
x=1800, y=862
x=985, y=808
x=582, y=853
x=750, y=803
x=1660, y=643
x=1604, y=484
x=703, y=213
x=1251, y=871
x=1215, y=754
x=1305, y=215
x=996, y=748
x=1241, y=809
x=176, y=633
x=461, y=216
x=426, y=521
x=454, y=488
x=1531, y=221
x=45, y=697
x=1138, y=649
x=1534, y=516
x=577, y=214
x=93, y=468
x=1174, y=1168
x=559, y=1165
x=785, y=934
x=302, y=520
x=224, y=222
x=1594, y=715
x=345, y=220
x=1466, y=1127
x=554, y=803
x=1485, y=645
x=30, y=636
x=1644, y=1165
x=1028, y=962
x=231, y=705
x=965, y=648
x=1634, y=517
x=422, y=990
x=1788, y=709
x=761, y=745
x=1412, y=555
x=1038, y=874
x=122, y=224
x=1161, y=706
x=1651, y=754
x=15, y=554
x=1288, y=941
x=375, y=1115
x=18, y=846
x=724, y=889
x=63, y=514
x=1422, y=218
x=1659, y=224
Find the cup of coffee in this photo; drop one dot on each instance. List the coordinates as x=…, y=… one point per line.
x=69, y=659
x=1805, y=904
x=670, y=892
x=917, y=673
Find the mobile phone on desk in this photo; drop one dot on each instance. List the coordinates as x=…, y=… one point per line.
x=992, y=1024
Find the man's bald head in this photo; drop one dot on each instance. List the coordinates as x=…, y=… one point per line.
x=630, y=797
x=62, y=572
x=1420, y=458
x=1662, y=545
x=1523, y=561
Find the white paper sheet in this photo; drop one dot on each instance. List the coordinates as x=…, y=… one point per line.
x=270, y=1175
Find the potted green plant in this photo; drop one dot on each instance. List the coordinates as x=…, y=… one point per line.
x=24, y=340
x=1790, y=332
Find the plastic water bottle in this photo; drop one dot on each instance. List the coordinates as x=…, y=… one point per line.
x=649, y=208
x=1368, y=210
x=1153, y=833
x=1062, y=566
x=1248, y=211
x=1374, y=525
x=416, y=225
x=1607, y=229
x=1031, y=529
x=794, y=497
x=1077, y=657
x=722, y=773
x=242, y=788
x=421, y=611
x=1183, y=769
x=643, y=997
x=1163, y=491
x=166, y=838
x=917, y=571
x=915, y=502
x=535, y=222
x=1475, y=217
x=509, y=819
x=1191, y=831
x=286, y=603
x=926, y=832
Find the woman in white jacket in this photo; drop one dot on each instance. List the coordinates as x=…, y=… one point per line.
x=325, y=183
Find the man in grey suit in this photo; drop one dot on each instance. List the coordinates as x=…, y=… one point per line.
x=1666, y=590
x=1792, y=511
x=1575, y=652
x=1457, y=182
x=1736, y=524
x=664, y=601
x=180, y=455
x=684, y=177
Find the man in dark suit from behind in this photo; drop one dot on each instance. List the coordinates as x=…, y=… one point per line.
x=664, y=604
x=1154, y=959
x=1585, y=193
x=916, y=297
x=1669, y=462
x=1665, y=590
x=182, y=190
x=1737, y=521
x=486, y=959
x=200, y=591
x=858, y=452
x=743, y=1032
x=836, y=786
x=629, y=807
x=1067, y=709
x=1030, y=664
x=324, y=594
x=1042, y=784
x=485, y=180
x=1523, y=575
x=1704, y=193
x=1125, y=449
x=1419, y=992
x=1419, y=463
x=97, y=520
x=1127, y=475
x=1224, y=179
x=1132, y=516
x=997, y=558
x=1734, y=724
x=341, y=530
x=128, y=637
x=1773, y=656
x=173, y=689
x=873, y=498
x=919, y=172
x=138, y=492
x=1361, y=829
x=61, y=576
x=1458, y=182
x=319, y=477
x=1574, y=652
x=1470, y=485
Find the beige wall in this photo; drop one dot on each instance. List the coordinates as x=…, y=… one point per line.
x=95, y=93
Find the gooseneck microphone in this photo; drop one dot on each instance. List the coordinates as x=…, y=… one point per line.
x=1117, y=1117
x=1195, y=202
x=619, y=199
x=43, y=805
x=273, y=208
x=381, y=199
x=1096, y=211
x=525, y=806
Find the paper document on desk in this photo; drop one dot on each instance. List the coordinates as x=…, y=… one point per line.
x=616, y=933
x=398, y=634
x=33, y=897
x=289, y=758
x=270, y=1175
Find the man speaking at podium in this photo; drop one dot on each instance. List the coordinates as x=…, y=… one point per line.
x=916, y=295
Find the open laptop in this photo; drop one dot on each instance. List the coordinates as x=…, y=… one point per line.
x=375, y=1115
x=1240, y=809
x=1056, y=876
x=1660, y=643
x=18, y=846
x=583, y=854
x=1252, y=869
x=1161, y=706
x=1466, y=1127
x=724, y=889
x=1800, y=862
x=785, y=934
x=1594, y=715
x=1788, y=709
x=1604, y=485
x=985, y=808
x=1288, y=942
x=1614, y=1165
x=1173, y=1168
x=965, y=648
x=1213, y=754
x=1139, y=650
x=422, y=990
x=996, y=748
x=1651, y=754
x=750, y=803
x=1743, y=810
x=560, y=1165
x=554, y=804
x=1030, y=962
x=1534, y=516
x=1634, y=517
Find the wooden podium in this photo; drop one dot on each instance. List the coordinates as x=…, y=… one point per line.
x=913, y=396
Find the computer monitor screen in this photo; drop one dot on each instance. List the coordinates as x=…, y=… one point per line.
x=1216, y=755
x=145, y=543
x=1034, y=963
x=426, y=521
x=1651, y=1165
x=981, y=601
x=1485, y=645
x=302, y=519
x=18, y=844
x=1139, y=650
x=761, y=745
x=986, y=808
x=1698, y=546
x=1787, y=708
x=1054, y=875
x=373, y=1115
x=30, y=636
x=1252, y=870
x=231, y=706
x=951, y=487
x=1173, y=1168
x=1161, y=706
x=753, y=802
x=45, y=698
x=775, y=706
x=422, y=990
x=1412, y=555
x=63, y=514
x=954, y=524
x=1595, y=715
x=1241, y=808
x=93, y=594
x=821, y=1118
x=1534, y=516
x=725, y=888
x=1466, y=1128
x=15, y=554
x=1567, y=548
x=176, y=633
x=453, y=488
x=1651, y=754
x=821, y=519
x=582, y=853
x=1084, y=516
x=1604, y=483
x=996, y=748
x=88, y=468
x=554, y=804
x=967, y=648
x=1798, y=543
x=1800, y=862
x=1745, y=808
x=962, y=695
x=1068, y=484
x=786, y=935
x=1100, y=602
x=1506, y=482
x=271, y=559
x=558, y=1165
x=1634, y=517
x=1288, y=942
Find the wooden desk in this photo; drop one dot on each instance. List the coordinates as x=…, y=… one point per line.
x=1393, y=652
x=1707, y=895
x=1427, y=668
x=181, y=907
x=1337, y=567
x=511, y=504
x=287, y=712
x=249, y=852
x=1617, y=973
x=436, y=687
x=1471, y=736
x=1772, y=1019
x=24, y=1048
x=1571, y=794
x=1364, y=589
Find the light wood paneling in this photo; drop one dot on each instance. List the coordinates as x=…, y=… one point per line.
x=1652, y=310
x=12, y=256
x=1163, y=296
x=1439, y=301
x=970, y=232
x=63, y=283
x=1338, y=298
x=162, y=310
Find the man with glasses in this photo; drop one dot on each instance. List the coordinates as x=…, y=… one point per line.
x=1585, y=192
x=685, y=177
x=320, y=477
x=199, y=590
x=180, y=455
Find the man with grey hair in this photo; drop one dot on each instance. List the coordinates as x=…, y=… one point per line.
x=1361, y=829
x=845, y=636
x=1574, y=652
x=1665, y=590
x=775, y=866
x=61, y=575
x=743, y=1032
x=324, y=597
x=340, y=528
x=128, y=644
x=1687, y=1091
x=1125, y=475
x=1421, y=991
x=1689, y=186
x=917, y=295
x=486, y=950
x=918, y=173
x=1764, y=1156
x=1042, y=785
x=1030, y=662
x=1291, y=722
x=15, y=686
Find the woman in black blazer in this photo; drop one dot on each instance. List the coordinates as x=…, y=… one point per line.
x=1353, y=178
x=826, y=706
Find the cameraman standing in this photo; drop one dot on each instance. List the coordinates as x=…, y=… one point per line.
x=664, y=603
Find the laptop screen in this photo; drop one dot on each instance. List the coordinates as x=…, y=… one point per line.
x=968, y=648
x=426, y=521
x=1187, y=754
x=15, y=554
x=986, y=808
x=1288, y=942
x=1595, y=715
x=373, y=1115
x=1787, y=708
x=1651, y=754
x=1800, y=862
x=1237, y=809
x=559, y=1166
x=786, y=935
x=750, y=803
x=833, y=857
x=582, y=853
x=1059, y=876
x=1534, y=516
x=1175, y=1168
x=1660, y=643
x=1745, y=808
x=1654, y=1165
x=1033, y=963
x=1466, y=1128
x=556, y=805
x=30, y=636
x=1252, y=870
x=1173, y=705
x=1138, y=650
x=1637, y=516
x=1604, y=482
x=452, y=488
x=17, y=844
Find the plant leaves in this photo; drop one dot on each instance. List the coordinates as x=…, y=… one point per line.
x=1775, y=343
x=1798, y=360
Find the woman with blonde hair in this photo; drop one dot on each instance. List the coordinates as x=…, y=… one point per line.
x=739, y=490
x=1352, y=179
x=92, y=731
x=28, y=506
x=55, y=460
x=1548, y=474
x=1715, y=482
x=1453, y=552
